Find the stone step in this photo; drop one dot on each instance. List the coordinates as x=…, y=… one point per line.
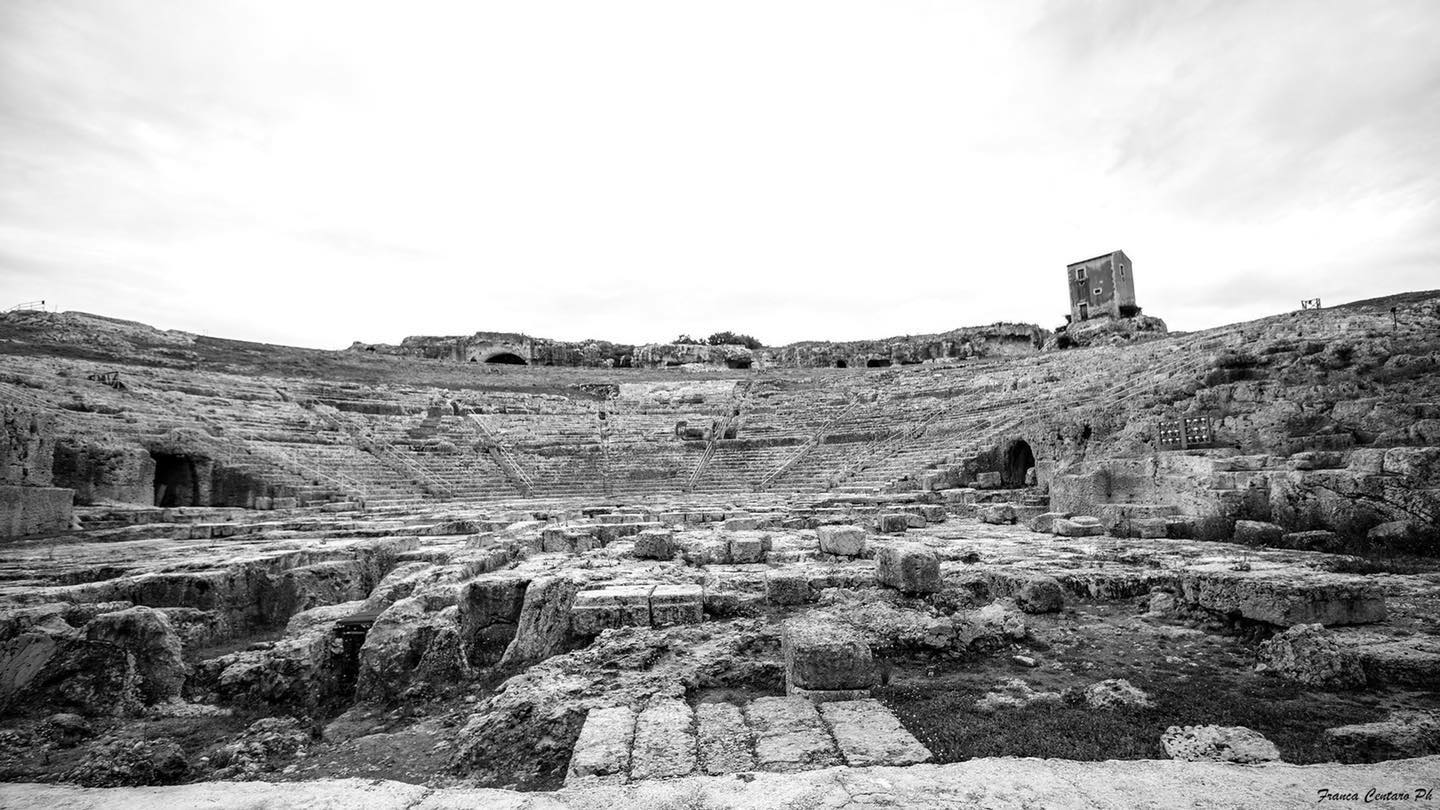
x=669, y=739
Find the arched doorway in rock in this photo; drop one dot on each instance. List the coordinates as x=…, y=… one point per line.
x=1018, y=459
x=176, y=480
x=841, y=364
x=506, y=359
x=877, y=362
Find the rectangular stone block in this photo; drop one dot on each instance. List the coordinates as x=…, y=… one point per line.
x=664, y=741
x=555, y=539
x=908, y=567
x=615, y=606
x=677, y=604
x=892, y=523
x=726, y=744
x=1149, y=528
x=747, y=548
x=35, y=510
x=787, y=588
x=789, y=735
x=655, y=544
x=845, y=541
x=602, y=752
x=869, y=734
x=825, y=656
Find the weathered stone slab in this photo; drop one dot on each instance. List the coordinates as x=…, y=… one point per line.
x=789, y=735
x=825, y=656
x=615, y=606
x=989, y=480
x=869, y=734
x=664, y=741
x=1078, y=526
x=999, y=514
x=602, y=751
x=845, y=541
x=726, y=744
x=1282, y=599
x=677, y=604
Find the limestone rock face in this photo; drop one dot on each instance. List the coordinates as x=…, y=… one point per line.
x=145, y=634
x=489, y=613
x=1218, y=744
x=1040, y=595
x=63, y=671
x=844, y=541
x=823, y=656
x=298, y=674
x=1309, y=654
x=1401, y=734
x=408, y=644
x=544, y=622
x=909, y=568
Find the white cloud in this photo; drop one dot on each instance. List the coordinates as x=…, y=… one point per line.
x=314, y=173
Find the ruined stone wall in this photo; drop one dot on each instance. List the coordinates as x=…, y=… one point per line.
x=27, y=447
x=28, y=502
x=1000, y=339
x=100, y=472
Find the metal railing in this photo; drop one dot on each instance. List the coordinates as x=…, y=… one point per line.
x=717, y=432
x=503, y=456
x=815, y=440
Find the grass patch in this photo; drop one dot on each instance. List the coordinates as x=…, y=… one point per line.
x=945, y=720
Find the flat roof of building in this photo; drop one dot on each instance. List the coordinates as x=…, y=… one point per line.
x=1093, y=258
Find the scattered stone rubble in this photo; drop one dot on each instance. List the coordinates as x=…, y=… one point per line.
x=566, y=587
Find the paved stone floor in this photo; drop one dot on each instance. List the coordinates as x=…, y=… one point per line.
x=991, y=784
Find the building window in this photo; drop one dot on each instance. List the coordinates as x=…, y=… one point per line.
x=1079, y=274
x=1097, y=291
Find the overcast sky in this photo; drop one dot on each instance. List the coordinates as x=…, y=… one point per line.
x=314, y=173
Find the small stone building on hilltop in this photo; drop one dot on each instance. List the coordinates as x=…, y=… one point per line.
x=1103, y=285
